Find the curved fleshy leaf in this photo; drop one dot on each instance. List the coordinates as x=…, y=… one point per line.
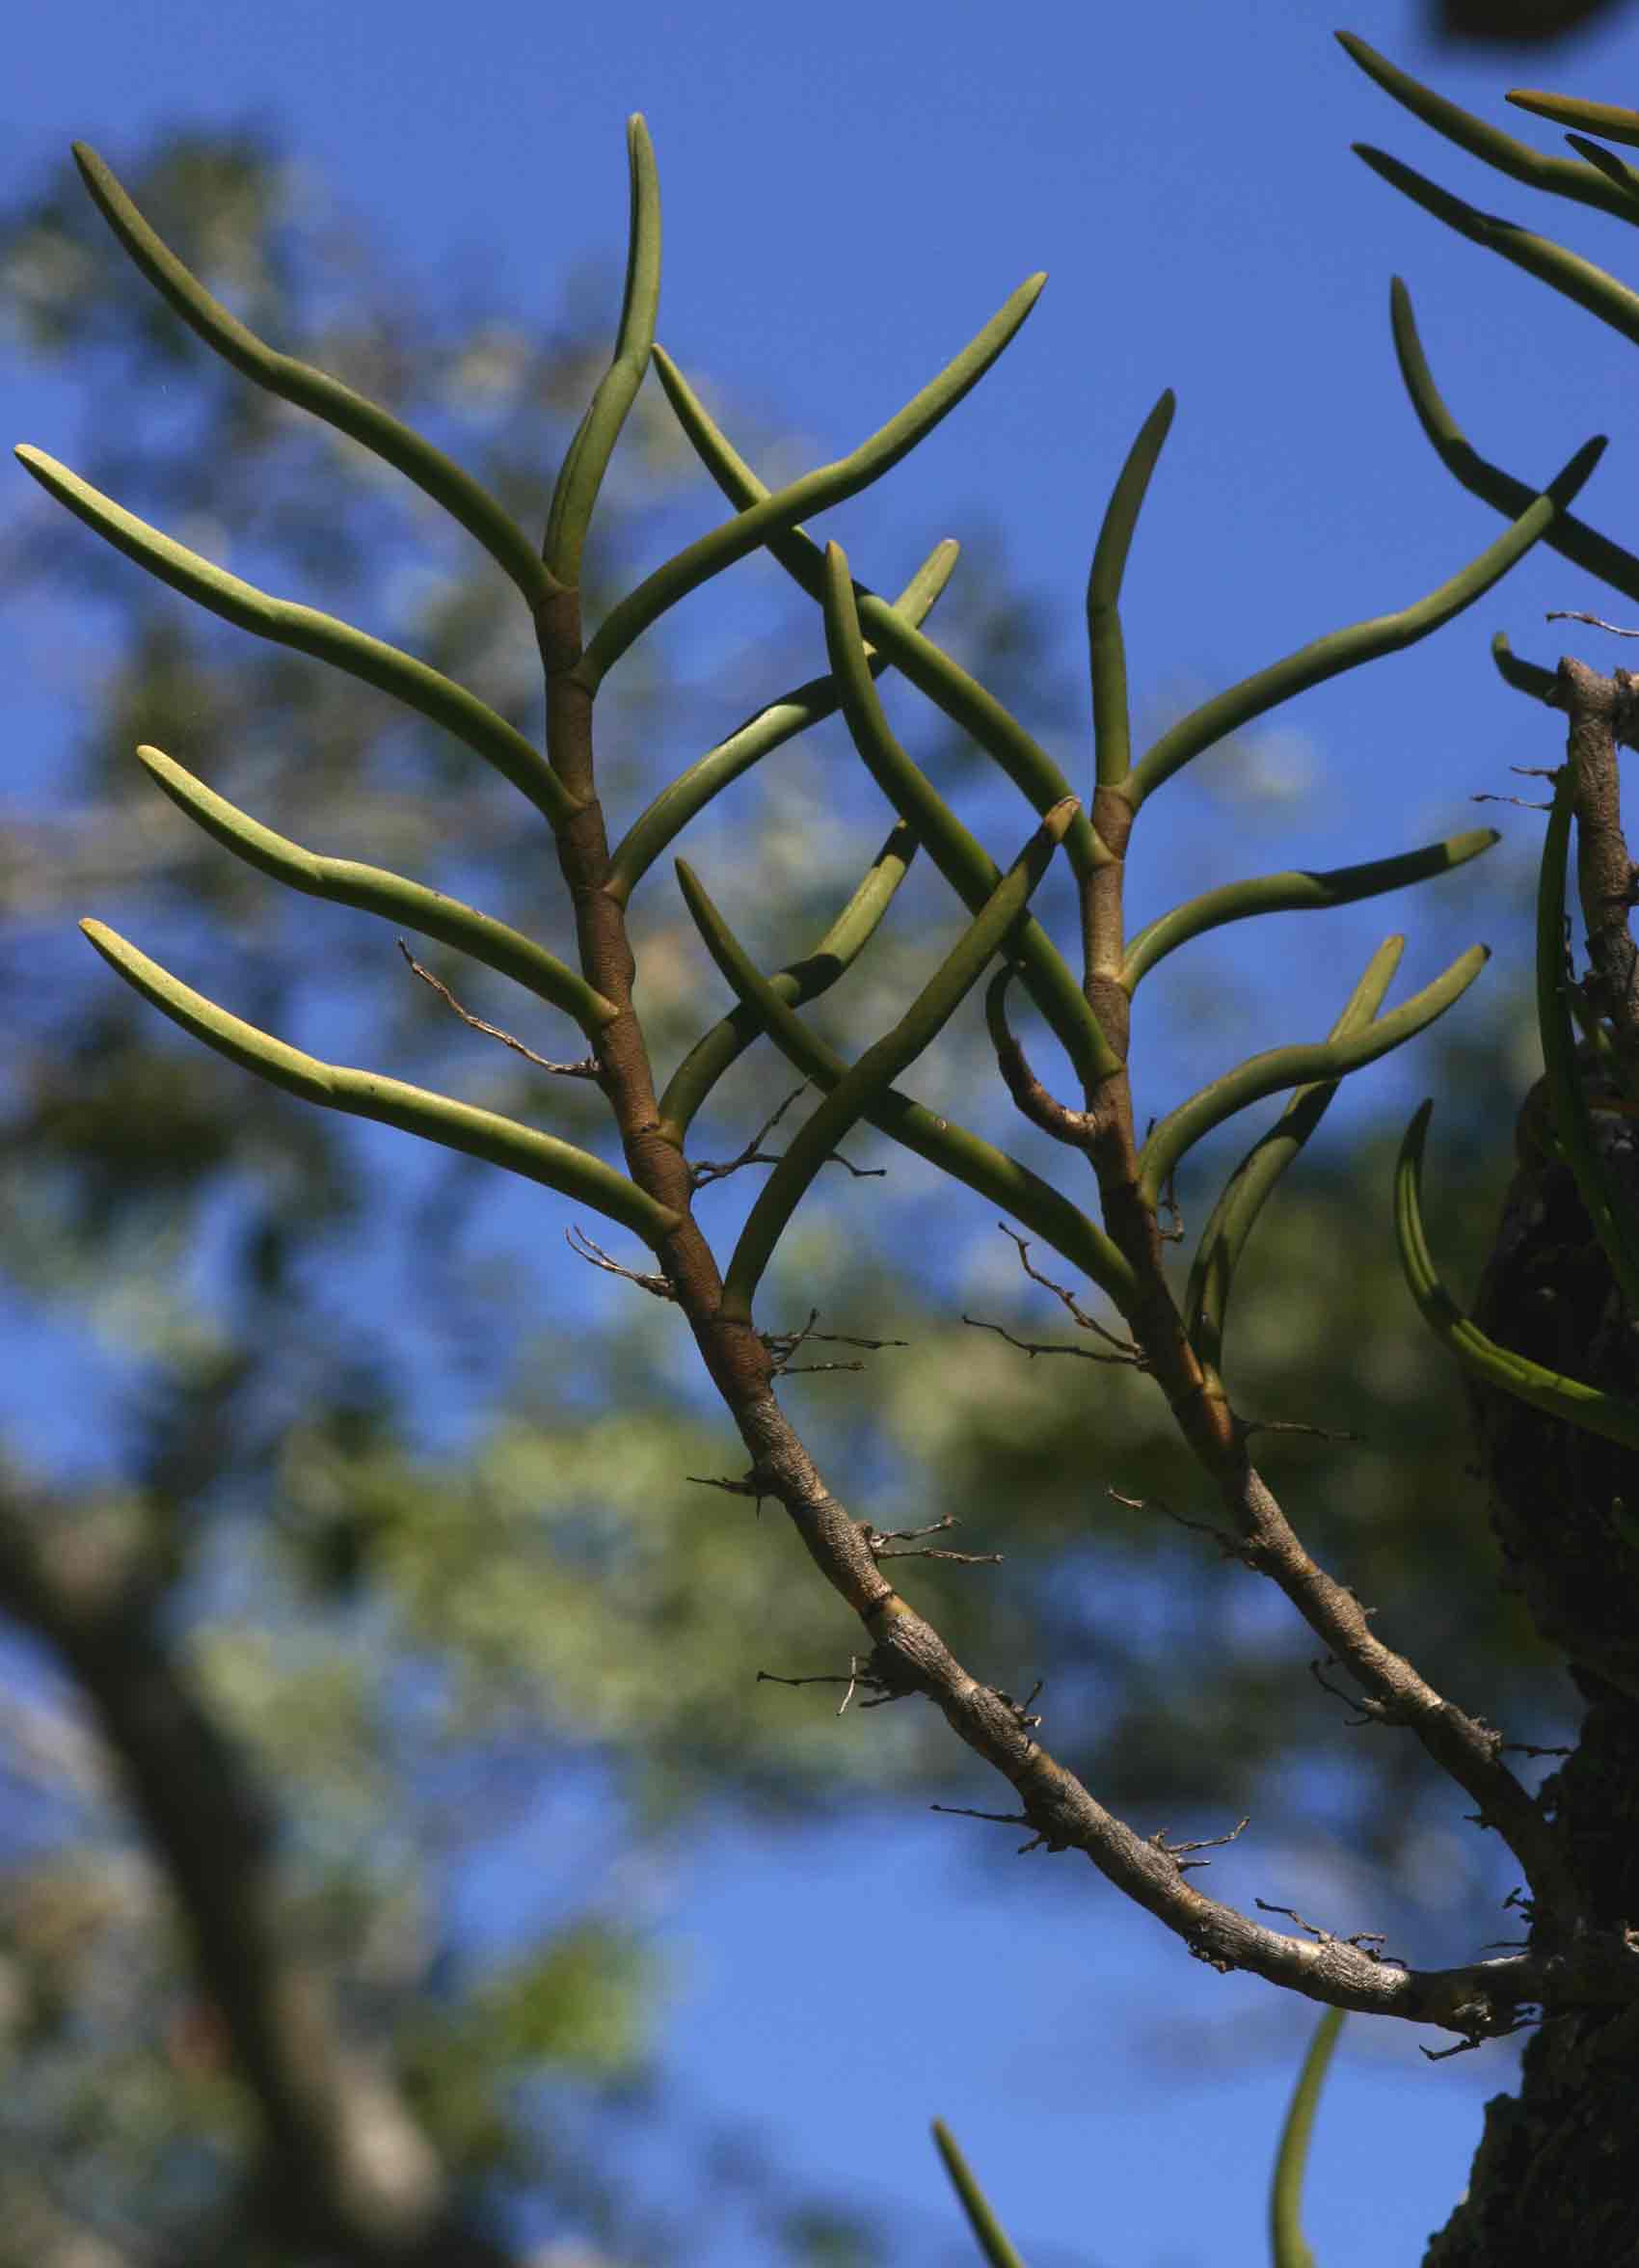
x=1362, y=641
x=1250, y=1187
x=373, y=889
x=970, y=706
x=1107, y=650
x=1615, y=170
x=869, y=1080
x=1280, y=1068
x=991, y=2237
x=574, y=495
x=1525, y=677
x=966, y=1156
x=369, y=1095
x=677, y=803
x=1566, y=272
x=1607, y=119
x=362, y=421
x=1549, y=1391
x=1517, y=159
x=801, y=980
x=828, y=484
x=1300, y=890
x=1287, y=2246
x=969, y=868
x=285, y=623
x=1572, y=538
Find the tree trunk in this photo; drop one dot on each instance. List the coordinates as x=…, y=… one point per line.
x=1555, y=2181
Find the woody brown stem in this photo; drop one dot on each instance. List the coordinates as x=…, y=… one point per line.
x=1604, y=710
x=907, y=1654
x=736, y=1359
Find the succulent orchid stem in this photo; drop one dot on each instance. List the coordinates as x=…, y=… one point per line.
x=1569, y=1398
x=1250, y=1187
x=1299, y=1065
x=967, y=1157
x=869, y=1080
x=581, y=476
x=1107, y=651
x=373, y=889
x=779, y=721
x=1362, y=641
x=285, y=623
x=368, y=1094
x=828, y=484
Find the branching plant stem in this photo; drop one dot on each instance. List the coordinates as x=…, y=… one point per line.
x=909, y=1655
x=1567, y=1959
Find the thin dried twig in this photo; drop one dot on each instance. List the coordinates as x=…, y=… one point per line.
x=1594, y=622
x=1037, y=1346
x=1366, y=1941
x=750, y=1484
x=1179, y=1851
x=1245, y=1427
x=585, y=1248
x=1000, y=1819
x=1124, y=1349
x=1221, y=1536
x=707, y=1170
x=1173, y=1232
x=877, y=1540
x=783, y=1345
x=585, y=1068
x=1367, y=1711
x=1040, y=1839
x=860, y=1673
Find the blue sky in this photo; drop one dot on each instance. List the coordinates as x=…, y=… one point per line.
x=849, y=191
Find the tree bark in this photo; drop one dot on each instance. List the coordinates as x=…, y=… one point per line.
x=1557, y=2176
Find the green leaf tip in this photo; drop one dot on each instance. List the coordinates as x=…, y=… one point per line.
x=966, y=1156
x=1515, y=159
x=1107, y=653
x=763, y=517
x=992, y=2239
x=1565, y=272
x=1249, y=1188
x=1287, y=2247
x=1568, y=1399
x=1300, y=890
x=1605, y=119
x=392, y=1102
x=362, y=420
x=867, y=1082
x=284, y=622
x=581, y=475
x=1361, y=642
x=1524, y=676
x=373, y=889
x=1280, y=1068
